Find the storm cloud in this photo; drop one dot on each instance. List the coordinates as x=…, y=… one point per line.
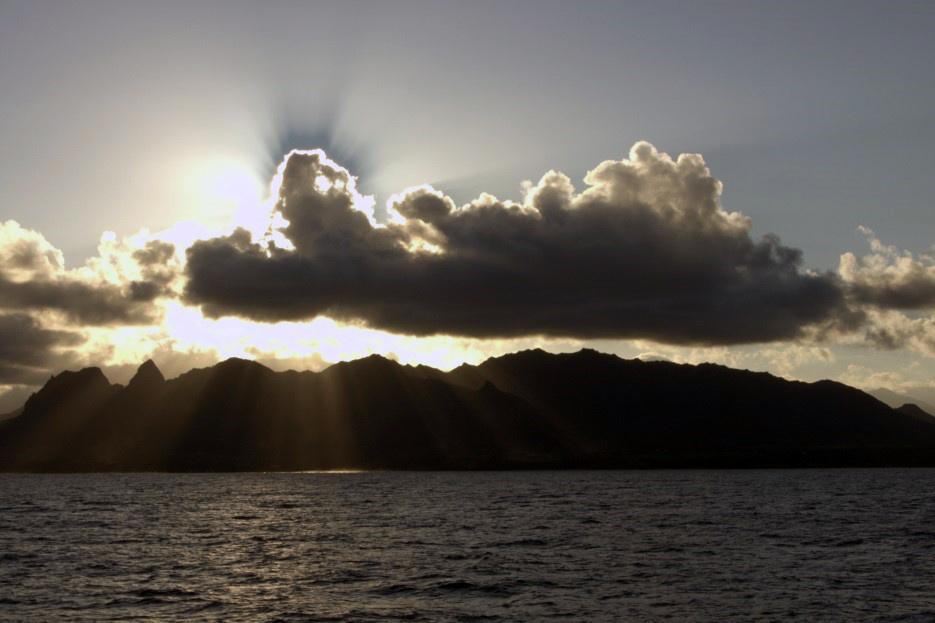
x=644, y=251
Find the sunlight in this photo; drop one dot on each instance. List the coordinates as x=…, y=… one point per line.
x=228, y=191
x=322, y=339
x=184, y=233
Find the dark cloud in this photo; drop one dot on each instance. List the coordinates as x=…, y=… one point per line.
x=155, y=255
x=157, y=268
x=646, y=251
x=28, y=351
x=912, y=292
x=84, y=303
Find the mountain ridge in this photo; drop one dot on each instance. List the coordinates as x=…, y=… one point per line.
x=897, y=400
x=530, y=409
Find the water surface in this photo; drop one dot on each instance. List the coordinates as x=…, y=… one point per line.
x=829, y=545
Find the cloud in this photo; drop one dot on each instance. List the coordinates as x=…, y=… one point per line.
x=645, y=251
x=907, y=381
x=863, y=377
x=116, y=287
x=894, y=289
x=891, y=330
x=889, y=278
x=789, y=360
x=28, y=350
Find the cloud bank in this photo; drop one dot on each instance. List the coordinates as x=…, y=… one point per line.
x=644, y=251
x=46, y=309
x=117, y=287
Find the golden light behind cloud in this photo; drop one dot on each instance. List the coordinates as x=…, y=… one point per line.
x=227, y=191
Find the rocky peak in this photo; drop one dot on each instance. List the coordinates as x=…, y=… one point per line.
x=146, y=374
x=68, y=387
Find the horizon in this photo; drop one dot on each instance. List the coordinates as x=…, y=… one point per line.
x=527, y=410
x=406, y=365
x=901, y=398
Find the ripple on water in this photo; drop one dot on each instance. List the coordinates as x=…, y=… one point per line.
x=830, y=545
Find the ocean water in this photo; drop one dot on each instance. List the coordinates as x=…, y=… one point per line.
x=810, y=545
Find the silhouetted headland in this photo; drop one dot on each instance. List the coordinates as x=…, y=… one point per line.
x=895, y=400
x=526, y=410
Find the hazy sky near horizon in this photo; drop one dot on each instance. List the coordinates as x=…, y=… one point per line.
x=815, y=117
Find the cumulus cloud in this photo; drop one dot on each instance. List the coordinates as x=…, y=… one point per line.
x=867, y=378
x=116, y=287
x=789, y=360
x=895, y=289
x=890, y=330
x=888, y=277
x=644, y=251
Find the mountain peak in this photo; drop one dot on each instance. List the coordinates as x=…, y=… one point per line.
x=86, y=376
x=240, y=365
x=68, y=386
x=915, y=411
x=374, y=364
x=896, y=400
x=146, y=374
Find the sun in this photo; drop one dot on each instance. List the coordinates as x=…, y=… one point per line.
x=227, y=191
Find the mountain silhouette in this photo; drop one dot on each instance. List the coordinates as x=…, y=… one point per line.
x=525, y=410
x=147, y=377
x=914, y=410
x=896, y=400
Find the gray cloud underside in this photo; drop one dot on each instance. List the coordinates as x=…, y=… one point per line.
x=645, y=251
x=83, y=303
x=590, y=294
x=909, y=294
x=27, y=350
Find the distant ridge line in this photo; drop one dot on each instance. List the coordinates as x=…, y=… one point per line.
x=530, y=409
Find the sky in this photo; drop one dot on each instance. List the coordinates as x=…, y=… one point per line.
x=738, y=182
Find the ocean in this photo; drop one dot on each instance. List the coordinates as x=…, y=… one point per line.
x=744, y=545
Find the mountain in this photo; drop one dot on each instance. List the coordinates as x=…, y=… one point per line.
x=895, y=400
x=525, y=410
x=914, y=411
x=924, y=394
